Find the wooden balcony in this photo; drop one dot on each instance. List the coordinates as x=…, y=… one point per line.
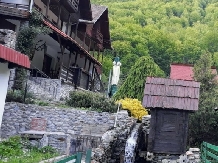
x=70, y=5
x=97, y=36
x=14, y=10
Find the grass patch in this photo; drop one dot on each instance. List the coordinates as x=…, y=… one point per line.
x=16, y=150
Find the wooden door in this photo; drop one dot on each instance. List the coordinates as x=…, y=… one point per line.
x=169, y=131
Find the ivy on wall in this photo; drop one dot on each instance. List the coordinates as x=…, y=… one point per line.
x=26, y=43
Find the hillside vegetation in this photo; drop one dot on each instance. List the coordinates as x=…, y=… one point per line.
x=167, y=30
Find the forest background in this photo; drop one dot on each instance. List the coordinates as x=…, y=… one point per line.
x=169, y=31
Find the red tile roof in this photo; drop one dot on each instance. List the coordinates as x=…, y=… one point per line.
x=181, y=71
x=171, y=94
x=69, y=38
x=184, y=71
x=13, y=56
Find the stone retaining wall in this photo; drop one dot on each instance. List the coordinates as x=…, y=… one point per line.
x=43, y=88
x=17, y=118
x=8, y=38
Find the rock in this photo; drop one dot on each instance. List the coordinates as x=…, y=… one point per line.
x=194, y=149
x=189, y=153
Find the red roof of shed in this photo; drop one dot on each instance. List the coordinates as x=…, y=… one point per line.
x=184, y=71
x=181, y=71
x=171, y=94
x=13, y=56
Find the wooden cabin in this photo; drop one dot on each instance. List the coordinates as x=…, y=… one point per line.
x=170, y=102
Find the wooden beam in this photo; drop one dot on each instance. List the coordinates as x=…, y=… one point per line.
x=47, y=8
x=90, y=43
x=85, y=63
x=59, y=14
x=84, y=39
x=62, y=47
x=68, y=22
x=76, y=30
x=93, y=53
x=98, y=54
x=68, y=66
x=92, y=80
x=89, y=65
x=76, y=57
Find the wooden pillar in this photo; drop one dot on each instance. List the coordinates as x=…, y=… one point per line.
x=68, y=22
x=93, y=50
x=62, y=47
x=68, y=66
x=89, y=65
x=93, y=80
x=47, y=8
x=90, y=43
x=59, y=14
x=76, y=30
x=98, y=54
x=84, y=39
x=85, y=63
x=76, y=57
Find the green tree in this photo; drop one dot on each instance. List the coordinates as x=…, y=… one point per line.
x=134, y=84
x=204, y=123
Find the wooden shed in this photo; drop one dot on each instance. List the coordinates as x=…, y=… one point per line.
x=170, y=102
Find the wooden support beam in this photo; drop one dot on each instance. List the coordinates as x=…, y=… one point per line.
x=85, y=63
x=89, y=65
x=76, y=57
x=93, y=53
x=68, y=22
x=84, y=39
x=47, y=8
x=68, y=66
x=93, y=80
x=98, y=54
x=59, y=14
x=62, y=47
x=76, y=30
x=90, y=43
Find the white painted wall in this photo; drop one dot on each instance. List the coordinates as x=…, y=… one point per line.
x=39, y=57
x=4, y=77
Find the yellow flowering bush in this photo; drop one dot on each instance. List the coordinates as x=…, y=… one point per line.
x=134, y=106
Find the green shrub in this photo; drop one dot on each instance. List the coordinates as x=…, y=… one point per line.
x=43, y=103
x=16, y=150
x=18, y=96
x=93, y=101
x=203, y=126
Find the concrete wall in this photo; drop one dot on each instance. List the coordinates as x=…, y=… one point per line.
x=4, y=76
x=39, y=57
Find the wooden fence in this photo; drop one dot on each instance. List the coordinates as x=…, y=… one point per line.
x=209, y=153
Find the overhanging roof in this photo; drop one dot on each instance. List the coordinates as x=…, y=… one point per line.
x=72, y=40
x=13, y=56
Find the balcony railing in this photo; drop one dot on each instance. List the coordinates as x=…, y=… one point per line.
x=14, y=5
